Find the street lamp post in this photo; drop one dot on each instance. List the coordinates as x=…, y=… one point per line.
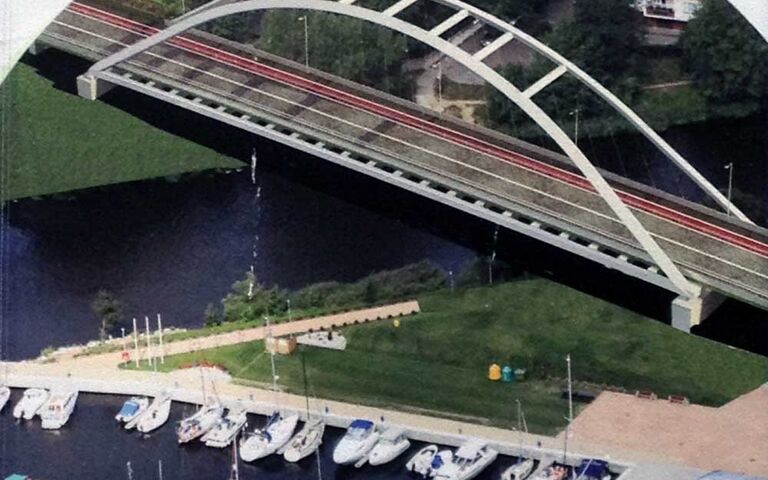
x=290, y=317
x=729, y=167
x=440, y=84
x=305, y=19
x=575, y=113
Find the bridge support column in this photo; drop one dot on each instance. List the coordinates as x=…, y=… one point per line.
x=688, y=312
x=36, y=48
x=91, y=87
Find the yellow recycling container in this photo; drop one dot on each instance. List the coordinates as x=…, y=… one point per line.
x=494, y=372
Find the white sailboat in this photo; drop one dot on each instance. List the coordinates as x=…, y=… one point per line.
x=57, y=409
x=227, y=429
x=524, y=466
x=519, y=471
x=30, y=403
x=268, y=440
x=5, y=394
x=156, y=415
x=360, y=438
x=391, y=445
x=199, y=423
x=469, y=460
x=306, y=442
x=133, y=408
x=278, y=429
x=421, y=463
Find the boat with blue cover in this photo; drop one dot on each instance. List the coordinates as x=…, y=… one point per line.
x=360, y=438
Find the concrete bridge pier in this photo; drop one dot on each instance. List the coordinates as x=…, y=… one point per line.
x=92, y=87
x=688, y=312
x=37, y=48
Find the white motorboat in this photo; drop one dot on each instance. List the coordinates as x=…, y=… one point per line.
x=360, y=438
x=306, y=442
x=5, y=394
x=227, y=429
x=519, y=471
x=422, y=461
x=56, y=411
x=133, y=408
x=391, y=445
x=30, y=403
x=469, y=460
x=199, y=423
x=156, y=415
x=268, y=440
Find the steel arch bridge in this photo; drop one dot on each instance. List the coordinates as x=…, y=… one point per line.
x=475, y=62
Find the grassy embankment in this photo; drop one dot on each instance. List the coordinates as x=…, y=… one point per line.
x=58, y=142
x=437, y=361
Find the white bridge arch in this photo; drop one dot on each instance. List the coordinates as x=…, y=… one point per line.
x=522, y=99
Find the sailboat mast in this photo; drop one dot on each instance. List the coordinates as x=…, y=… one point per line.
x=570, y=410
x=202, y=381
x=235, y=472
x=271, y=353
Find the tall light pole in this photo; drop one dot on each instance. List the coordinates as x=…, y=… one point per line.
x=305, y=19
x=729, y=167
x=570, y=410
x=440, y=84
x=575, y=113
x=290, y=317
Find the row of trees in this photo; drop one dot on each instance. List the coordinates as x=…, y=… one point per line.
x=725, y=56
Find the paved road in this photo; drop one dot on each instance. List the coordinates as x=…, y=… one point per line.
x=488, y=165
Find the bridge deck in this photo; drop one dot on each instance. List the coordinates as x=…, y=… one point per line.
x=478, y=170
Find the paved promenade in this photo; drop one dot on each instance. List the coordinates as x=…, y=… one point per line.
x=733, y=437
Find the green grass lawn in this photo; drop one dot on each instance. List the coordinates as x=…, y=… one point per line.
x=58, y=142
x=438, y=360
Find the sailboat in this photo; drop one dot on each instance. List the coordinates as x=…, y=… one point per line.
x=524, y=466
x=199, y=423
x=154, y=417
x=5, y=394
x=309, y=438
x=227, y=429
x=277, y=430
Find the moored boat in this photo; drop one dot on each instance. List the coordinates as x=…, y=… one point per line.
x=199, y=423
x=30, y=403
x=592, y=469
x=519, y=471
x=391, y=445
x=551, y=472
x=421, y=462
x=469, y=460
x=133, y=408
x=360, y=438
x=226, y=430
x=268, y=440
x=5, y=394
x=156, y=415
x=56, y=411
x=306, y=442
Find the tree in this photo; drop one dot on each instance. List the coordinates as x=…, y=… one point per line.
x=343, y=46
x=604, y=40
x=725, y=55
x=251, y=300
x=212, y=315
x=108, y=309
x=371, y=293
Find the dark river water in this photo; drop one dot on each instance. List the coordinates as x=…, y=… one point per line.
x=175, y=246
